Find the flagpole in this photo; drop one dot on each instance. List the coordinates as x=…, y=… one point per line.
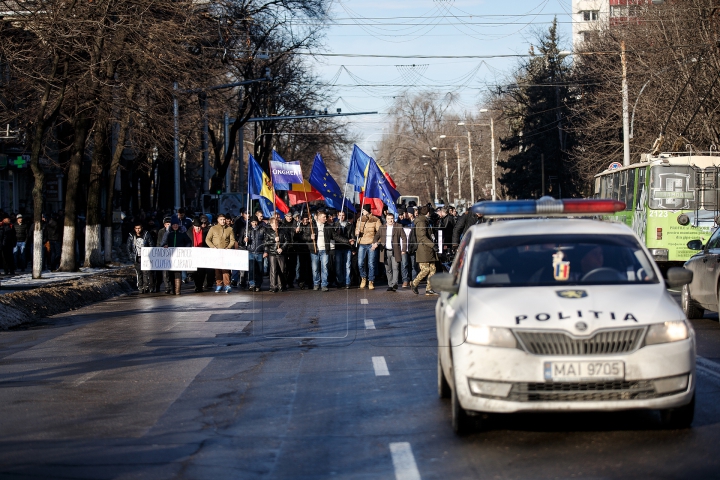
x=343, y=200
x=274, y=207
x=247, y=223
x=308, y=205
x=364, y=196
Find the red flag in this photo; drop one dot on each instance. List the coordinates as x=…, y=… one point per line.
x=280, y=205
x=297, y=194
x=376, y=204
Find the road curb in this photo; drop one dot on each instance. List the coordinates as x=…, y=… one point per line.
x=27, y=306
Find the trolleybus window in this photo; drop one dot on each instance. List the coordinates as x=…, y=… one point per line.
x=672, y=188
x=641, y=190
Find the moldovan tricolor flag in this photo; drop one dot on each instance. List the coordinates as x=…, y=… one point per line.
x=297, y=194
x=260, y=188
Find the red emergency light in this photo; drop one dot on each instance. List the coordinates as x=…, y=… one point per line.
x=548, y=206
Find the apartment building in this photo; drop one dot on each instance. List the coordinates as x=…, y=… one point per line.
x=590, y=15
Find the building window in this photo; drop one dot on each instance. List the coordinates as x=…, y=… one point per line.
x=590, y=15
x=589, y=36
x=625, y=11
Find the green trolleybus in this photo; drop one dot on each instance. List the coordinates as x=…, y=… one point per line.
x=671, y=199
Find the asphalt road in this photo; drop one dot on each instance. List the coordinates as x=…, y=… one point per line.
x=297, y=385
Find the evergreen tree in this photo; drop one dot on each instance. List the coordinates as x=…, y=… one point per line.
x=536, y=107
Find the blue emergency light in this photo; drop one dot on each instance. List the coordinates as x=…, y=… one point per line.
x=547, y=206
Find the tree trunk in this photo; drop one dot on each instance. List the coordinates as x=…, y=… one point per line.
x=42, y=124
x=67, y=258
x=114, y=165
x=93, y=253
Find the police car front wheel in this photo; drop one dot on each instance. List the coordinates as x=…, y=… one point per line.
x=443, y=386
x=679, y=417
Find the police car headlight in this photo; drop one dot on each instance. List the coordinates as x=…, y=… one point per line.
x=667, y=332
x=490, y=336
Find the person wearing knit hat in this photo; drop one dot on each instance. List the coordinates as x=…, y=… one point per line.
x=159, y=279
x=365, y=230
x=176, y=237
x=426, y=254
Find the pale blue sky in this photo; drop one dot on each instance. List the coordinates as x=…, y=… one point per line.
x=426, y=27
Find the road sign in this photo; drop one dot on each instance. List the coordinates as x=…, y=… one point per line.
x=615, y=166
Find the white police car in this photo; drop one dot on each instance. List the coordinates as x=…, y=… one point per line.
x=560, y=314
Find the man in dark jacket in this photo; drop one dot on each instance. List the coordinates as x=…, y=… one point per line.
x=21, y=233
x=159, y=239
x=446, y=225
x=305, y=278
x=176, y=237
x=255, y=243
x=426, y=254
x=138, y=239
x=392, y=240
x=343, y=251
x=276, y=242
x=238, y=278
x=53, y=235
x=290, y=254
x=9, y=240
x=464, y=222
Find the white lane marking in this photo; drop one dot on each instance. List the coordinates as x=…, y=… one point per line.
x=380, y=366
x=404, y=461
x=369, y=324
x=708, y=367
x=363, y=301
x=84, y=378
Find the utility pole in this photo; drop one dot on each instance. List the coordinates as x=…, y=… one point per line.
x=542, y=173
x=457, y=150
x=492, y=157
x=472, y=176
x=625, y=107
x=176, y=145
x=447, y=181
x=204, y=142
x=226, y=137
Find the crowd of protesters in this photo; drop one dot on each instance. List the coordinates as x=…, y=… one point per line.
x=319, y=250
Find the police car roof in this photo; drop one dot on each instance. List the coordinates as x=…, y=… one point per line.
x=549, y=226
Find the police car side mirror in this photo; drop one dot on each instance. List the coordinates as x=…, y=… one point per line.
x=444, y=282
x=695, y=245
x=677, y=277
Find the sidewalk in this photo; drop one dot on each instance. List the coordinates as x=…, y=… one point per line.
x=24, y=281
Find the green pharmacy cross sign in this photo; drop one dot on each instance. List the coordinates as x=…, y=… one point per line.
x=15, y=161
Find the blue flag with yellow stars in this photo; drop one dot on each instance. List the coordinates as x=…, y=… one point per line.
x=358, y=166
x=321, y=180
x=378, y=186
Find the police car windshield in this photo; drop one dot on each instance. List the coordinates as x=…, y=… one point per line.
x=553, y=260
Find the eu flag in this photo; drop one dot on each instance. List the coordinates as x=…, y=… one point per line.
x=379, y=187
x=321, y=180
x=358, y=165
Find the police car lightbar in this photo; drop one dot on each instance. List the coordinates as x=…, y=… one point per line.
x=547, y=206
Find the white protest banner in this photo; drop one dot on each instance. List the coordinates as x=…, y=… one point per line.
x=159, y=258
x=190, y=259
x=222, y=258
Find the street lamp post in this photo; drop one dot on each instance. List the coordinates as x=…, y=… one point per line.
x=459, y=176
x=492, y=151
x=447, y=174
